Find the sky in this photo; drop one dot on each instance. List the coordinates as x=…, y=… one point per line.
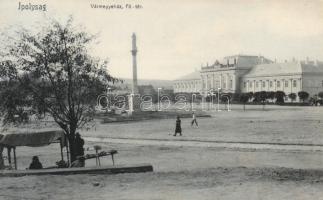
x=176, y=37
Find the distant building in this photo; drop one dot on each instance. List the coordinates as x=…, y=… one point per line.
x=289, y=77
x=146, y=89
x=189, y=83
x=243, y=73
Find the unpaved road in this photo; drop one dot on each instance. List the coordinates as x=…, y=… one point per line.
x=180, y=173
x=213, y=144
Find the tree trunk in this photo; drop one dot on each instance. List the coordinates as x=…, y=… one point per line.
x=1, y=158
x=71, y=141
x=244, y=107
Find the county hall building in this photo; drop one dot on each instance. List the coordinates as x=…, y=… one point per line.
x=245, y=73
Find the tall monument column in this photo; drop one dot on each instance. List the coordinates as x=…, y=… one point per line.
x=134, y=99
x=134, y=65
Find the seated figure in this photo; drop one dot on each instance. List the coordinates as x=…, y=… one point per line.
x=35, y=164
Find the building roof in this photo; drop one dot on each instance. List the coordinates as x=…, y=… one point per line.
x=237, y=61
x=312, y=67
x=287, y=68
x=32, y=139
x=192, y=76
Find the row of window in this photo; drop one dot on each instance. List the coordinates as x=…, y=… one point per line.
x=185, y=85
x=217, y=84
x=258, y=84
x=271, y=84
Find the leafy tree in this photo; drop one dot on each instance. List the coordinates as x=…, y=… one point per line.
x=312, y=101
x=303, y=95
x=244, y=98
x=320, y=94
x=55, y=73
x=14, y=100
x=251, y=95
x=292, y=96
x=263, y=97
x=271, y=95
x=280, y=95
x=260, y=97
x=225, y=97
x=230, y=95
x=236, y=97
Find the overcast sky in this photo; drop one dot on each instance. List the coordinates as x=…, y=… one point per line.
x=175, y=37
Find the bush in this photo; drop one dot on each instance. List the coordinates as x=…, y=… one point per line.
x=279, y=95
x=303, y=95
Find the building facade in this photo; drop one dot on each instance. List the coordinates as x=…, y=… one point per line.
x=242, y=73
x=190, y=83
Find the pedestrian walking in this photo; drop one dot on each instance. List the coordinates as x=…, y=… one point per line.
x=194, y=120
x=178, y=128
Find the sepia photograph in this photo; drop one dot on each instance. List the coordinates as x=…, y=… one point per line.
x=161, y=100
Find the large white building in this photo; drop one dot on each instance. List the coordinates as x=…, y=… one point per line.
x=242, y=73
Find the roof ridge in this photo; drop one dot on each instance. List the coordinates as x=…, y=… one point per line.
x=191, y=76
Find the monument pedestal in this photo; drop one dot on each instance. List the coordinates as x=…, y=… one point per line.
x=134, y=103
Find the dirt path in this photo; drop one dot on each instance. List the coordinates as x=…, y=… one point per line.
x=213, y=144
x=180, y=172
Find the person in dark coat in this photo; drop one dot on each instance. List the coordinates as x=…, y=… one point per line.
x=35, y=164
x=79, y=143
x=178, y=128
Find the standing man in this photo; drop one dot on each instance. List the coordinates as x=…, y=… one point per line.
x=178, y=128
x=79, y=149
x=194, y=120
